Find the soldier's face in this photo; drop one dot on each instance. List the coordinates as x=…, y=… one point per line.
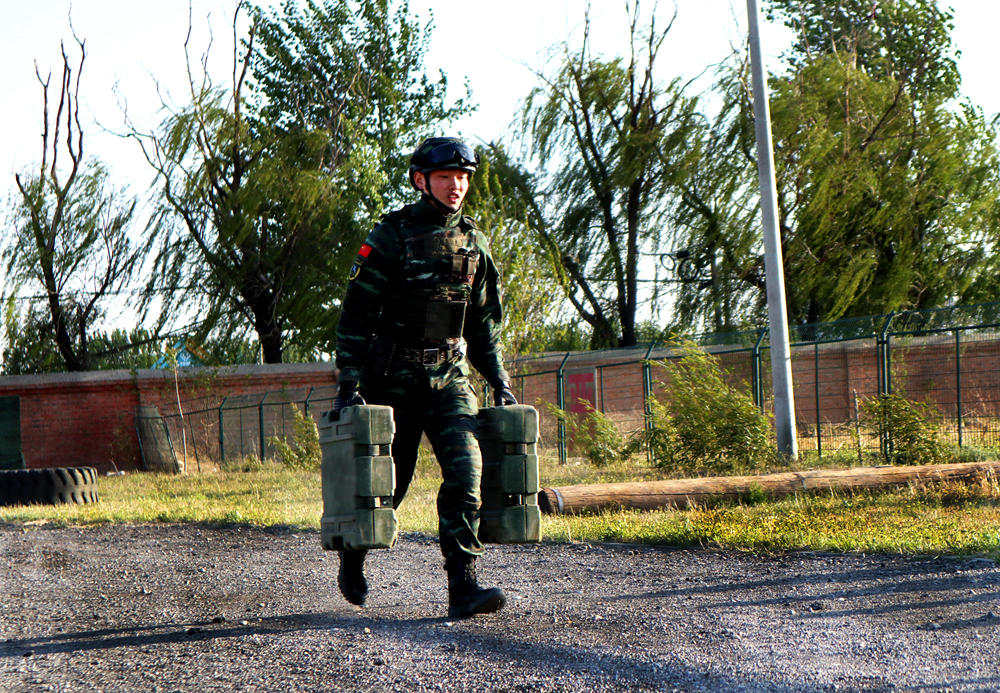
x=447, y=187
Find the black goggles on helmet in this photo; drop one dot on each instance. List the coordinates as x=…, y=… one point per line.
x=456, y=154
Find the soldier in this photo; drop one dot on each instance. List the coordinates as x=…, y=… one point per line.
x=422, y=302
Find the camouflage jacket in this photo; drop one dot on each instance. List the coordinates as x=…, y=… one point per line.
x=410, y=276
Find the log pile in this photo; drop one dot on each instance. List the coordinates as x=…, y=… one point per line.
x=681, y=493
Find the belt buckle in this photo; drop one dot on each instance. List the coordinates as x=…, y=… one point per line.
x=431, y=356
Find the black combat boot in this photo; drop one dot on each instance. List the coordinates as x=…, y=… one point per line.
x=351, y=577
x=465, y=596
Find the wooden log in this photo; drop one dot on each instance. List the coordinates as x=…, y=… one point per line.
x=681, y=493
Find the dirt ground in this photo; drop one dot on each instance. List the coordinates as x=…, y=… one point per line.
x=184, y=608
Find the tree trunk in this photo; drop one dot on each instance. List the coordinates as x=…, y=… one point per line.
x=682, y=493
x=63, y=341
x=269, y=333
x=270, y=346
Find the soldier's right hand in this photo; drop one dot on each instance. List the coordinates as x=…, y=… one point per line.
x=502, y=395
x=347, y=395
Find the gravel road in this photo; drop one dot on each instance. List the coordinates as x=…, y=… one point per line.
x=186, y=608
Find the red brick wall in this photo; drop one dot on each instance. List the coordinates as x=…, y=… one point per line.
x=923, y=369
x=88, y=419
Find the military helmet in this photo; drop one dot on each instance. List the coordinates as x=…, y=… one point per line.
x=443, y=153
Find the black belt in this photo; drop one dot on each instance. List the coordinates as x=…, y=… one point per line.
x=428, y=357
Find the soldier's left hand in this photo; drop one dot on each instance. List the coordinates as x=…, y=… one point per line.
x=502, y=395
x=347, y=395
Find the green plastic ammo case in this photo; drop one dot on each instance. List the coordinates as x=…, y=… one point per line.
x=507, y=438
x=358, y=478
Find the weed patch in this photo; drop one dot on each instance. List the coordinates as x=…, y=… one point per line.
x=304, y=451
x=923, y=518
x=905, y=429
x=708, y=427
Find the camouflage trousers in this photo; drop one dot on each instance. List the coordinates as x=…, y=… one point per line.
x=442, y=405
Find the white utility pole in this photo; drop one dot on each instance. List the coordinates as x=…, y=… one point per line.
x=777, y=318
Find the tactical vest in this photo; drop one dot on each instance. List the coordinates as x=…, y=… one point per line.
x=438, y=270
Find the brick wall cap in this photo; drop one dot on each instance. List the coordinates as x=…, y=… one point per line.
x=237, y=371
x=92, y=379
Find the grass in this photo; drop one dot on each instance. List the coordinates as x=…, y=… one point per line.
x=268, y=496
x=921, y=519
x=894, y=522
x=925, y=518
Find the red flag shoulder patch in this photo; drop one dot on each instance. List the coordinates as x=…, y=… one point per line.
x=365, y=250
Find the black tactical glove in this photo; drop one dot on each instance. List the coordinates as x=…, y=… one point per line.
x=502, y=395
x=347, y=395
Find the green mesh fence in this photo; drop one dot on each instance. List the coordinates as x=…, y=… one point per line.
x=946, y=359
x=210, y=432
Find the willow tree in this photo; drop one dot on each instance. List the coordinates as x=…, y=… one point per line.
x=504, y=202
x=716, y=258
x=69, y=248
x=269, y=183
x=354, y=71
x=612, y=141
x=886, y=198
x=887, y=178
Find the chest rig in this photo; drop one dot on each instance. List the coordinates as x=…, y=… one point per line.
x=438, y=270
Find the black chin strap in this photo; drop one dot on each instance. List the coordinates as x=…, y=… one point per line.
x=438, y=205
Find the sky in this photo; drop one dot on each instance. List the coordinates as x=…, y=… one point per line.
x=135, y=59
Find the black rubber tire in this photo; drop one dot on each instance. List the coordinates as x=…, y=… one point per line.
x=51, y=486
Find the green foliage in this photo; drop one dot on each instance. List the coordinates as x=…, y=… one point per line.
x=594, y=434
x=502, y=201
x=70, y=248
x=248, y=464
x=903, y=426
x=716, y=233
x=125, y=350
x=30, y=346
x=611, y=139
x=233, y=348
x=571, y=335
x=707, y=425
x=889, y=198
x=888, y=38
x=888, y=179
x=69, y=254
x=648, y=331
x=971, y=453
x=600, y=437
x=756, y=495
x=249, y=226
x=269, y=185
x=354, y=72
x=304, y=452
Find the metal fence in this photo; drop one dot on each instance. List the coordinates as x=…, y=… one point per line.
x=947, y=359
x=212, y=431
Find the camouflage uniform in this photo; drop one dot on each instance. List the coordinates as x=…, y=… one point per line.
x=403, y=338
